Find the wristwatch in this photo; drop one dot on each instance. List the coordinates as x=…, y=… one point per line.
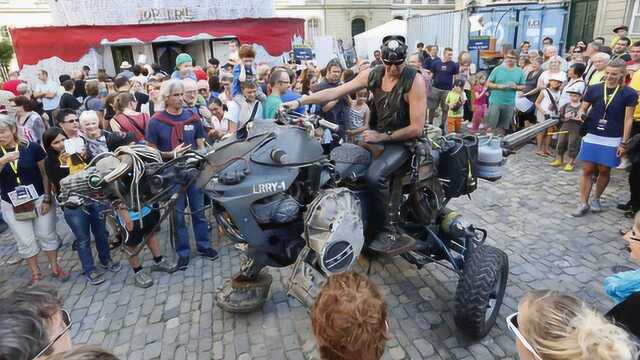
x=389, y=134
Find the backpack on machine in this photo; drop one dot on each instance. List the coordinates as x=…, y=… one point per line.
x=457, y=167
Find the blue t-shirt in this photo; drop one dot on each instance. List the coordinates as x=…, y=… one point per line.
x=159, y=133
x=291, y=95
x=28, y=170
x=625, y=97
x=443, y=73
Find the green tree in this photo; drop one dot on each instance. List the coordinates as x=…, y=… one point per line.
x=6, y=52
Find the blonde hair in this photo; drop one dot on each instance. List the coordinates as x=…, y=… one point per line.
x=87, y=116
x=562, y=327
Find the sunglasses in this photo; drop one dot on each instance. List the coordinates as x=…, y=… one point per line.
x=512, y=324
x=71, y=121
x=390, y=63
x=202, y=90
x=66, y=319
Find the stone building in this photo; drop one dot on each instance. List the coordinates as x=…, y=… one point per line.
x=611, y=13
x=344, y=19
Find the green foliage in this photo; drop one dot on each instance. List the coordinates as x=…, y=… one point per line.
x=6, y=52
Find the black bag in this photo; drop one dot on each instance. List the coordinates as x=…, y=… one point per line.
x=457, y=167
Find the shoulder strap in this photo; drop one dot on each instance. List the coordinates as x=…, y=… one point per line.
x=134, y=123
x=375, y=77
x=255, y=110
x=552, y=99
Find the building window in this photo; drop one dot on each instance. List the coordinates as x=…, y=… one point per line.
x=416, y=2
x=313, y=30
x=398, y=17
x=398, y=1
x=635, y=18
x=120, y=54
x=357, y=27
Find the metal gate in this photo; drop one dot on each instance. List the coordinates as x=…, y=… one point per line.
x=582, y=20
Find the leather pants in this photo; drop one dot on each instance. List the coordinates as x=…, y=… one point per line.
x=383, y=205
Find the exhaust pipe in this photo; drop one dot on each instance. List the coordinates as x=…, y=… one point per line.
x=518, y=139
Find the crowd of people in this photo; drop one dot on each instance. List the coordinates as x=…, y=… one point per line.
x=52, y=129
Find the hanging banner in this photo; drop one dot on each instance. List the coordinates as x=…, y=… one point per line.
x=122, y=12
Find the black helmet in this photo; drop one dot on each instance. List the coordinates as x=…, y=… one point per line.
x=394, y=49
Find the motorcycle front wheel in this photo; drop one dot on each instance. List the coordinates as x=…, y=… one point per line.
x=481, y=290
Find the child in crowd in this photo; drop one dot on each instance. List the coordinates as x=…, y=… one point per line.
x=246, y=68
x=140, y=224
x=547, y=106
x=569, y=138
x=480, y=98
x=455, y=102
x=359, y=116
x=184, y=68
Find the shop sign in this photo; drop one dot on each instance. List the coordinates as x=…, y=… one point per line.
x=479, y=42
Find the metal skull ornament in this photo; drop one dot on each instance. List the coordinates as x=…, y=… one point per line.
x=394, y=49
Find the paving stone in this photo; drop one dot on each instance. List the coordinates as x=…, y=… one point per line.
x=153, y=350
x=525, y=214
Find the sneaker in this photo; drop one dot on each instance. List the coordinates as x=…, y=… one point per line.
x=621, y=268
x=15, y=259
x=111, y=266
x=556, y=162
x=581, y=210
x=142, y=280
x=569, y=167
x=624, y=207
x=595, y=205
x=95, y=278
x=164, y=266
x=624, y=163
x=209, y=254
x=183, y=263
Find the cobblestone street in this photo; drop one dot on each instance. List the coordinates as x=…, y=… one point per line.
x=526, y=214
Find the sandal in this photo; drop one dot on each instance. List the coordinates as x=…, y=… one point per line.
x=631, y=235
x=35, y=279
x=61, y=274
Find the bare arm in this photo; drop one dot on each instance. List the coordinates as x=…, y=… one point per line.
x=628, y=123
x=539, y=101
x=324, y=96
x=417, y=107
x=584, y=107
x=491, y=85
x=330, y=105
x=45, y=179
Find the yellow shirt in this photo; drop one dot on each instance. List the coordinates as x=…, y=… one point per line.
x=451, y=100
x=597, y=78
x=635, y=85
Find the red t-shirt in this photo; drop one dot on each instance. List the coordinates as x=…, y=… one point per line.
x=11, y=85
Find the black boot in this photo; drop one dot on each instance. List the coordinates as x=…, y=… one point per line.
x=391, y=239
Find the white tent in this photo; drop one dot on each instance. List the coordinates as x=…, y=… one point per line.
x=370, y=40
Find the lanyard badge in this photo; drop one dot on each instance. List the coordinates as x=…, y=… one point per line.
x=13, y=164
x=608, y=99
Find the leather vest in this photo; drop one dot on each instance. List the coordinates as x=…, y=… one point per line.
x=389, y=110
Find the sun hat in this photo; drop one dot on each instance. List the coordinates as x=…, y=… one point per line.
x=125, y=65
x=556, y=77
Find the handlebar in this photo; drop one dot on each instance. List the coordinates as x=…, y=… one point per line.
x=309, y=121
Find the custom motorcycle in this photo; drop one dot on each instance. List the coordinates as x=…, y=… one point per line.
x=285, y=203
